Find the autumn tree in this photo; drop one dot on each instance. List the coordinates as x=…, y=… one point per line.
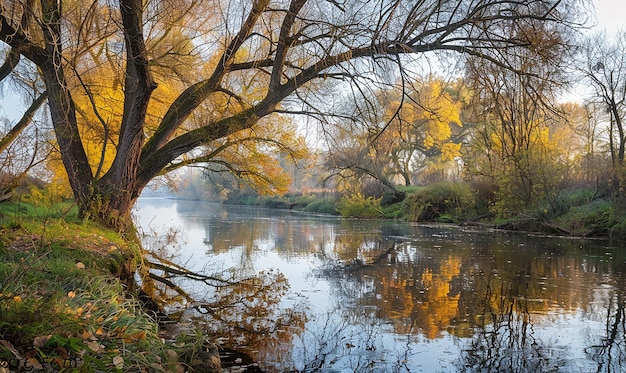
x=402, y=135
x=278, y=49
x=513, y=142
x=422, y=129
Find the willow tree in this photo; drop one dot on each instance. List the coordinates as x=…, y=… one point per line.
x=277, y=49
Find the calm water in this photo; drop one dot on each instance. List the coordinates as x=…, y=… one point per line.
x=324, y=294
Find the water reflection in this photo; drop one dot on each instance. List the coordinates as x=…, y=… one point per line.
x=382, y=296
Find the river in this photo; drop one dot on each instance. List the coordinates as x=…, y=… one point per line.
x=313, y=293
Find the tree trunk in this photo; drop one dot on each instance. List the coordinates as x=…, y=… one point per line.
x=115, y=194
x=62, y=109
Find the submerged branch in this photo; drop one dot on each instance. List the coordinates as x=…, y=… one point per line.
x=174, y=270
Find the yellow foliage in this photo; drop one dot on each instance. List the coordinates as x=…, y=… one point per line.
x=255, y=153
x=427, y=118
x=450, y=150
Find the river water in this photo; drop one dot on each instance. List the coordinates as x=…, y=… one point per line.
x=312, y=293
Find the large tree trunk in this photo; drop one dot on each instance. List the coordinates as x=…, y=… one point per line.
x=119, y=188
x=62, y=109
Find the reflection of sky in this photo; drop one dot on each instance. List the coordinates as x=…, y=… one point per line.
x=301, y=247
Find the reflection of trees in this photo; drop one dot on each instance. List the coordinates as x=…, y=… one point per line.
x=423, y=303
x=249, y=316
x=505, y=340
x=241, y=312
x=426, y=291
x=342, y=341
x=411, y=290
x=610, y=353
x=490, y=291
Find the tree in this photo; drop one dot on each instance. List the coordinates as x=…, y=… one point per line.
x=603, y=66
x=276, y=48
x=397, y=138
x=423, y=128
x=514, y=142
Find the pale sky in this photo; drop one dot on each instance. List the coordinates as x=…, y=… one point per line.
x=611, y=14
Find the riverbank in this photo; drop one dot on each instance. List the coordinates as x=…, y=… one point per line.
x=576, y=212
x=68, y=299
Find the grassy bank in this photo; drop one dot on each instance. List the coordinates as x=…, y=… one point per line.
x=67, y=300
x=576, y=212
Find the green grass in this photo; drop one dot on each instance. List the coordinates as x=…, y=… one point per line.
x=63, y=306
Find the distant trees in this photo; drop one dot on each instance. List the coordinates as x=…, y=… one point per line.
x=514, y=144
x=400, y=138
x=603, y=66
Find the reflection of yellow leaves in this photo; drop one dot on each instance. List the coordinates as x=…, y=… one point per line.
x=427, y=278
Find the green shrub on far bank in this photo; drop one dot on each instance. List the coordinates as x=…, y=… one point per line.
x=322, y=206
x=274, y=202
x=445, y=202
x=597, y=218
x=306, y=203
x=358, y=206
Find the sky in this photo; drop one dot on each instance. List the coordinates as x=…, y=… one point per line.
x=611, y=14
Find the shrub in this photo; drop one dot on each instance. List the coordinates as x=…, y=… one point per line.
x=325, y=206
x=451, y=201
x=395, y=211
x=274, y=202
x=357, y=206
x=600, y=217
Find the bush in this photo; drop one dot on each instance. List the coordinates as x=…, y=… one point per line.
x=562, y=201
x=357, y=206
x=396, y=211
x=599, y=218
x=274, y=202
x=447, y=200
x=325, y=206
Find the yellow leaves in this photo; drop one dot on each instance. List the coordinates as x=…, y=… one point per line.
x=450, y=150
x=424, y=127
x=255, y=154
